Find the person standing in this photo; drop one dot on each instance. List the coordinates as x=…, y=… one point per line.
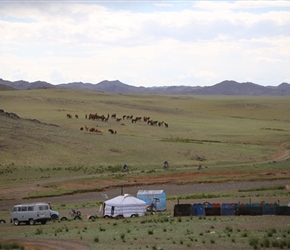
x=199, y=166
x=166, y=165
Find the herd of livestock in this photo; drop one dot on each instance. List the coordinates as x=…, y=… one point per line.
x=105, y=118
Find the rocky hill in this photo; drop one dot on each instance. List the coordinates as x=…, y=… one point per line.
x=228, y=87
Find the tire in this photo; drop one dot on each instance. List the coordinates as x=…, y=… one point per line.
x=2, y=221
x=63, y=219
x=54, y=217
x=92, y=217
x=31, y=222
x=16, y=222
x=134, y=215
x=77, y=217
x=106, y=217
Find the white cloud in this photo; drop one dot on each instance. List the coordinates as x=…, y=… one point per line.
x=198, y=44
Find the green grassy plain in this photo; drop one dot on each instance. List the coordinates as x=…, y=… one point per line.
x=220, y=130
x=225, y=133
x=164, y=232
x=47, y=152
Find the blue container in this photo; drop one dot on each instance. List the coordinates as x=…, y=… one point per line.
x=200, y=211
x=229, y=209
x=194, y=209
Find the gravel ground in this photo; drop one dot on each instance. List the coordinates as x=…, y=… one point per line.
x=170, y=190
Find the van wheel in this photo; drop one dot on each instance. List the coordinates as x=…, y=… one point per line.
x=2, y=221
x=134, y=215
x=106, y=217
x=77, y=218
x=16, y=222
x=54, y=217
x=31, y=222
x=92, y=217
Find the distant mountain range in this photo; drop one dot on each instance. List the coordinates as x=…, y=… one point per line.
x=228, y=87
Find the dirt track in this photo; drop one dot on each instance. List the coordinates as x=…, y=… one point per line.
x=171, y=186
x=168, y=188
x=32, y=244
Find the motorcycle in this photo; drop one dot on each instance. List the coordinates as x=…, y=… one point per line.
x=76, y=215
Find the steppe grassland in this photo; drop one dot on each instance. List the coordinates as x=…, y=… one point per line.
x=165, y=232
x=211, y=126
x=219, y=130
x=224, y=130
x=200, y=119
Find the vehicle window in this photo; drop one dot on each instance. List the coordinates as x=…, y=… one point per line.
x=24, y=209
x=30, y=208
x=15, y=209
x=19, y=208
x=43, y=207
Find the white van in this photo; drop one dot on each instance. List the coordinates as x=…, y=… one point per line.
x=30, y=213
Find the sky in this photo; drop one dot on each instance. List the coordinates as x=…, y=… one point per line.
x=145, y=43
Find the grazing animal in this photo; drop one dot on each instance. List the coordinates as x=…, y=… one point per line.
x=92, y=129
x=68, y=115
x=86, y=116
x=86, y=128
x=165, y=124
x=113, y=116
x=81, y=128
x=146, y=118
x=118, y=119
x=76, y=116
x=152, y=122
x=112, y=131
x=160, y=123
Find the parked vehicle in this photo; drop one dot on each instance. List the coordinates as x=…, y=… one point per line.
x=54, y=215
x=30, y=213
x=75, y=215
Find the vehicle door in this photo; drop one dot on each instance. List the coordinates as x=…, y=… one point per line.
x=23, y=214
x=43, y=211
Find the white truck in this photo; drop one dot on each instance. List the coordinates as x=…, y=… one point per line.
x=30, y=213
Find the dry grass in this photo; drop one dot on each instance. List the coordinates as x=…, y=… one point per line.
x=224, y=133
